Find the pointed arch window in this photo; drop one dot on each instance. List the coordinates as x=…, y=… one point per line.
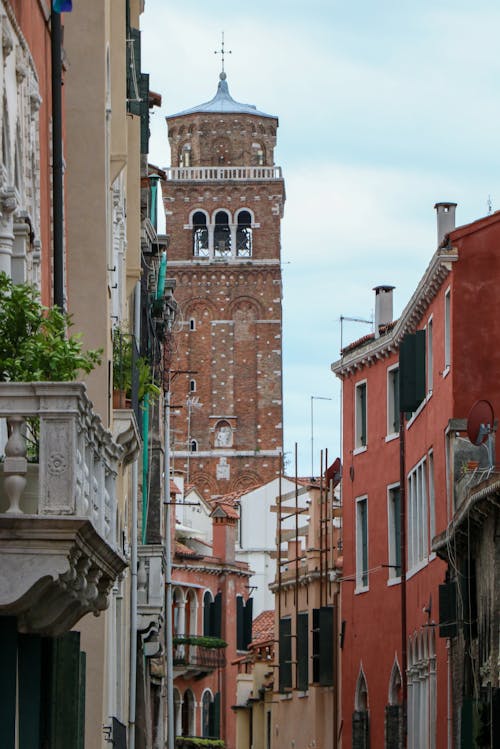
x=222, y=235
x=200, y=235
x=244, y=235
x=185, y=155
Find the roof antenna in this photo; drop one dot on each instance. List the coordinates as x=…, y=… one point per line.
x=222, y=52
x=490, y=205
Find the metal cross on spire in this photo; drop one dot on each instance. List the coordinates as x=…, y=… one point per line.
x=222, y=52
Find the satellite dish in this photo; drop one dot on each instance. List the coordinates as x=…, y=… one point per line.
x=480, y=422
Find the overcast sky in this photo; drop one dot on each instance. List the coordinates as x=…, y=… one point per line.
x=385, y=108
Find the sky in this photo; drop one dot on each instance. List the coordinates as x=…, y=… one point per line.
x=385, y=108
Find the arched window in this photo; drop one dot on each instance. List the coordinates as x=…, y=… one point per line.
x=244, y=235
x=207, y=602
x=360, y=719
x=200, y=235
x=206, y=714
x=222, y=235
x=185, y=155
x=191, y=610
x=188, y=723
x=361, y=698
x=258, y=155
x=193, y=446
x=192, y=324
x=192, y=386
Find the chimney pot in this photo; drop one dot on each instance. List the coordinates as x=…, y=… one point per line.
x=445, y=220
x=383, y=307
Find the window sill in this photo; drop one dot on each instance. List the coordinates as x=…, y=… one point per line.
x=418, y=567
x=287, y=696
x=359, y=450
x=361, y=589
x=301, y=695
x=393, y=581
x=391, y=437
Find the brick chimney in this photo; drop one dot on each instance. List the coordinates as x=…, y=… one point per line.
x=383, y=306
x=445, y=219
x=224, y=525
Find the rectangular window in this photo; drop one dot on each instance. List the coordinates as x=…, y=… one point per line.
x=432, y=499
x=394, y=530
x=362, y=543
x=447, y=329
x=303, y=651
x=430, y=363
x=393, y=400
x=417, y=525
x=360, y=415
x=285, y=654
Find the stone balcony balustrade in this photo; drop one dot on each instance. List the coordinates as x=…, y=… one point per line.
x=59, y=553
x=223, y=173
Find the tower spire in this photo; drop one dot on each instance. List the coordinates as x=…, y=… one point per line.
x=222, y=52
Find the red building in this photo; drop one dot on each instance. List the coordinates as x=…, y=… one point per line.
x=456, y=304
x=211, y=609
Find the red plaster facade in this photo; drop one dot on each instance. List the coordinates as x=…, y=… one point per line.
x=224, y=201
x=456, y=303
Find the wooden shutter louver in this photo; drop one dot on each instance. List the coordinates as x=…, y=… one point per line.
x=285, y=655
x=303, y=651
x=412, y=371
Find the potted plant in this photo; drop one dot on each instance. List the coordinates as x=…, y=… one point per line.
x=123, y=364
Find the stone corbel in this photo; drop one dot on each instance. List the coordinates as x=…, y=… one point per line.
x=8, y=202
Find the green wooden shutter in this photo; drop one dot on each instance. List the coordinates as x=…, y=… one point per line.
x=326, y=645
x=303, y=651
x=216, y=733
x=315, y=646
x=30, y=685
x=247, y=623
x=240, y=607
x=448, y=610
x=133, y=71
x=216, y=616
x=67, y=686
x=8, y=669
x=144, y=111
x=207, y=614
x=285, y=654
x=412, y=371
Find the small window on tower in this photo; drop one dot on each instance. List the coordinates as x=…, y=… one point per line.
x=222, y=235
x=193, y=446
x=185, y=155
x=192, y=324
x=200, y=236
x=192, y=386
x=244, y=235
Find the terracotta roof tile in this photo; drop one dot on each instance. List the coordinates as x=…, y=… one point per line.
x=263, y=627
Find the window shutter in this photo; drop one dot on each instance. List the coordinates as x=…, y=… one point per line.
x=144, y=111
x=302, y=651
x=8, y=657
x=448, y=610
x=216, y=616
x=412, y=371
x=315, y=645
x=119, y=734
x=133, y=71
x=207, y=615
x=240, y=608
x=67, y=717
x=247, y=623
x=216, y=728
x=30, y=684
x=326, y=654
x=285, y=655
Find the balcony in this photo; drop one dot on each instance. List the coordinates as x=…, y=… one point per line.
x=195, y=655
x=58, y=543
x=223, y=173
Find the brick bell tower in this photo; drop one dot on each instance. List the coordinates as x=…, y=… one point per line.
x=224, y=200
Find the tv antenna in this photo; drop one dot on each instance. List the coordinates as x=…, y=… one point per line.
x=481, y=426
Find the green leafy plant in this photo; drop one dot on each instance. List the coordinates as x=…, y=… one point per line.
x=34, y=342
x=203, y=641
x=191, y=742
x=123, y=363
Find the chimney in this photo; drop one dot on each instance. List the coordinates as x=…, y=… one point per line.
x=383, y=307
x=445, y=219
x=224, y=527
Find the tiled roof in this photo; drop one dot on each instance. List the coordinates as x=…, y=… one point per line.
x=263, y=627
x=229, y=510
x=383, y=329
x=184, y=551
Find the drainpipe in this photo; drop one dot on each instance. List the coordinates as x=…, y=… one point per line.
x=404, y=658
x=133, y=562
x=168, y=582
x=57, y=159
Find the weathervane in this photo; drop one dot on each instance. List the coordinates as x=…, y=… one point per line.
x=222, y=52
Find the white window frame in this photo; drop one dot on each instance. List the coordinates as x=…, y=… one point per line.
x=359, y=445
x=430, y=357
x=432, y=501
x=447, y=331
x=361, y=584
x=392, y=418
x=393, y=577
x=417, y=523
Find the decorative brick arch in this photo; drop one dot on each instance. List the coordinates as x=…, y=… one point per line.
x=245, y=308
x=245, y=481
x=206, y=485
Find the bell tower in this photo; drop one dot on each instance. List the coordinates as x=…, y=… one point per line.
x=224, y=198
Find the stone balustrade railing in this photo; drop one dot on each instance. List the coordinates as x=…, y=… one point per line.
x=70, y=468
x=217, y=173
